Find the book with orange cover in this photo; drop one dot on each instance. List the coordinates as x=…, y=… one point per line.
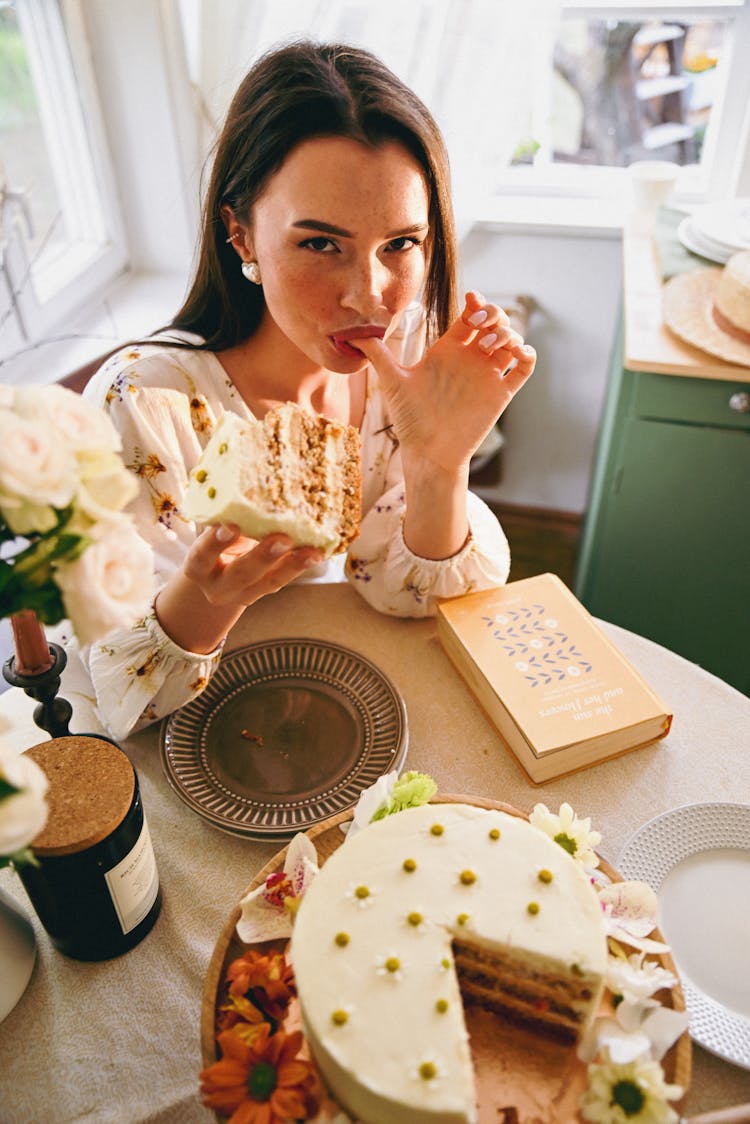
x=560, y=693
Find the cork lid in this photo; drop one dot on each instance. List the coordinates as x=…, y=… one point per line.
x=91, y=786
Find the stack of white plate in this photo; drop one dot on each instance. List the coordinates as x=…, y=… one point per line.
x=717, y=230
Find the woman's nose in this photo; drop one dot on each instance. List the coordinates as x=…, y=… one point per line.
x=364, y=286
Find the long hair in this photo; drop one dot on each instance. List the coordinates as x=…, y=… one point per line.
x=293, y=94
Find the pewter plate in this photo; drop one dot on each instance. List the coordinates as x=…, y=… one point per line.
x=286, y=734
x=697, y=860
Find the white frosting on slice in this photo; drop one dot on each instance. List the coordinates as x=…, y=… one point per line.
x=382, y=1001
x=286, y=474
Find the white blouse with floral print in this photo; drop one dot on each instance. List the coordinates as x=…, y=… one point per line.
x=165, y=402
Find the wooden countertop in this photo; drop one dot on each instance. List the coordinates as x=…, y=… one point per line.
x=649, y=345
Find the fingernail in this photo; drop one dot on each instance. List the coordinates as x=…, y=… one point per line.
x=527, y=349
x=276, y=549
x=224, y=534
x=478, y=317
x=310, y=562
x=488, y=341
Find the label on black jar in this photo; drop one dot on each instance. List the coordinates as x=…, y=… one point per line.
x=134, y=882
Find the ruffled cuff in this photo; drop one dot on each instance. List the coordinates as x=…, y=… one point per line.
x=140, y=675
x=394, y=580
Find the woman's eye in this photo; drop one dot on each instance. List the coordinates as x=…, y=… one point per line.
x=320, y=245
x=405, y=242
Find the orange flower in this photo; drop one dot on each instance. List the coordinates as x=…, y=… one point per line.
x=267, y=981
x=239, y=1014
x=262, y=1083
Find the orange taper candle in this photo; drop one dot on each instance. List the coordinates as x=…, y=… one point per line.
x=33, y=654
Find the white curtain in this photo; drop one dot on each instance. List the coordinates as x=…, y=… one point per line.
x=477, y=64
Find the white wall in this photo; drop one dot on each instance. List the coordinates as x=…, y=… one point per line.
x=551, y=426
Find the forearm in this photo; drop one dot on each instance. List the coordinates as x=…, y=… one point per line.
x=436, y=524
x=190, y=619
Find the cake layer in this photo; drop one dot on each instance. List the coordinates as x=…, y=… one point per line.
x=379, y=933
x=292, y=473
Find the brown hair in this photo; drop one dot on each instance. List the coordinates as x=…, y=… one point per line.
x=290, y=95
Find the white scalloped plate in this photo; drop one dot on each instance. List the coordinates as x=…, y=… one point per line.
x=697, y=859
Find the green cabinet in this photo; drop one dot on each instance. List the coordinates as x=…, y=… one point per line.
x=666, y=543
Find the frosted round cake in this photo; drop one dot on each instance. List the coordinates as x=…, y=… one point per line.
x=293, y=473
x=418, y=914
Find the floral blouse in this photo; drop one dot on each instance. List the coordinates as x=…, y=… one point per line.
x=165, y=402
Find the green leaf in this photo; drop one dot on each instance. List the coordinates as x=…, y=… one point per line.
x=7, y=789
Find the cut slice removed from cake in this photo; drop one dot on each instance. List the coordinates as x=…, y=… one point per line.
x=293, y=473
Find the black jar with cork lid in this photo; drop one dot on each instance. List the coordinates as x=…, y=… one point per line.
x=96, y=888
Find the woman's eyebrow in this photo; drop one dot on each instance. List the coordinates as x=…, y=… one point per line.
x=328, y=228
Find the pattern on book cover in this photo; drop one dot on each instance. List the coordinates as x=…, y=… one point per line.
x=541, y=651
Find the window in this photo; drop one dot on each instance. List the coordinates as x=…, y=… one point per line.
x=635, y=82
x=60, y=235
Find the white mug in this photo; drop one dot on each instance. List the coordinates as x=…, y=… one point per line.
x=651, y=183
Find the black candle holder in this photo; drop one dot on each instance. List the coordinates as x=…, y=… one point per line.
x=53, y=714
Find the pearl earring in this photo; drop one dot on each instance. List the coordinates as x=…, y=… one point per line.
x=251, y=270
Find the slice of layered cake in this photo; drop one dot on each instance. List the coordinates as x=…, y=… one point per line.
x=294, y=473
x=419, y=915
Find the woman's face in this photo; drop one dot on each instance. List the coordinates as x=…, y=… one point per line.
x=339, y=234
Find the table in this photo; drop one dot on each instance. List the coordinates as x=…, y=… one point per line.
x=119, y=1041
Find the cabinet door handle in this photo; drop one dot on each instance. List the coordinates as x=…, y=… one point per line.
x=740, y=402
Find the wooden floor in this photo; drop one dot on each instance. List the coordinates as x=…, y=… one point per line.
x=540, y=541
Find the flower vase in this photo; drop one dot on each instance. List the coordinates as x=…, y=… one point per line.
x=17, y=952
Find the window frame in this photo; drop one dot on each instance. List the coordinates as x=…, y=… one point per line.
x=723, y=173
x=52, y=286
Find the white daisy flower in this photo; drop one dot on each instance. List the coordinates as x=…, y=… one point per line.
x=390, y=966
x=428, y=1071
x=630, y=1093
x=573, y=834
x=362, y=895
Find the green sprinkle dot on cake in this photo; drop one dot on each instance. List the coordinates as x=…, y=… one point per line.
x=462, y=918
x=409, y=866
x=415, y=918
x=362, y=892
x=467, y=877
x=342, y=939
x=441, y=1006
x=445, y=963
x=532, y=908
x=339, y=1017
x=201, y=475
x=211, y=493
x=427, y=1071
x=545, y=875
x=437, y=829
x=223, y=447
x=494, y=833
x=392, y=964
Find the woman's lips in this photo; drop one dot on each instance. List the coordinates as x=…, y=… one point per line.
x=342, y=341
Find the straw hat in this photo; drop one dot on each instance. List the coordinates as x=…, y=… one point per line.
x=710, y=309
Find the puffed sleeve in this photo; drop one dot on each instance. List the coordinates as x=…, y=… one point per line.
x=138, y=675
x=394, y=580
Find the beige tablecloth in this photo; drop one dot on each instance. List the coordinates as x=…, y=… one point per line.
x=120, y=1041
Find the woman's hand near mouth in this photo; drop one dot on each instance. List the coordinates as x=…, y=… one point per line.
x=442, y=408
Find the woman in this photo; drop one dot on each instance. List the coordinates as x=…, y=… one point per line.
x=327, y=259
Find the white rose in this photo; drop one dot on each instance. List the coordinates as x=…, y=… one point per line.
x=107, y=489
x=35, y=466
x=84, y=427
x=110, y=586
x=23, y=814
